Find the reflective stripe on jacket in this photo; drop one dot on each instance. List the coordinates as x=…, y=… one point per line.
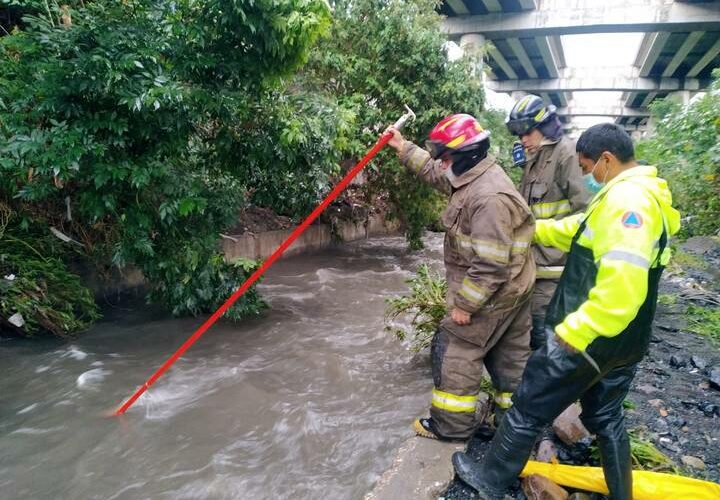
x=623, y=230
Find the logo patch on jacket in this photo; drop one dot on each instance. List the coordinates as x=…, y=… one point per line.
x=632, y=220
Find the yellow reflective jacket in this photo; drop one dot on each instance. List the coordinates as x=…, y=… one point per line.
x=623, y=229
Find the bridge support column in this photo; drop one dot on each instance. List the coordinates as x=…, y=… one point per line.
x=472, y=45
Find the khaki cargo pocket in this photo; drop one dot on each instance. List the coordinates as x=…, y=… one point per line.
x=451, y=222
x=479, y=331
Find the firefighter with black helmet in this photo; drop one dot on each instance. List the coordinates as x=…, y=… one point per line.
x=551, y=185
x=490, y=274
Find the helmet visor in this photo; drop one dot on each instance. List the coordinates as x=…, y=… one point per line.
x=436, y=149
x=521, y=126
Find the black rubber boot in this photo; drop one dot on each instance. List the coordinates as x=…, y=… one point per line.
x=504, y=460
x=498, y=415
x=617, y=466
x=470, y=472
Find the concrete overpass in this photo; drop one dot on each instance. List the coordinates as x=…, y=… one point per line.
x=680, y=47
x=600, y=79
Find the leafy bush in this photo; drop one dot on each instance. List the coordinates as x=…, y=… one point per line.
x=37, y=292
x=426, y=303
x=122, y=111
x=296, y=144
x=686, y=149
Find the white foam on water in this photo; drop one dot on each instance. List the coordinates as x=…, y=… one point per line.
x=296, y=296
x=326, y=275
x=91, y=379
x=75, y=353
x=134, y=486
x=33, y=431
x=182, y=388
x=265, y=287
x=27, y=409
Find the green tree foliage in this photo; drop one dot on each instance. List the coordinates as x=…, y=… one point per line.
x=296, y=144
x=139, y=128
x=124, y=111
x=686, y=149
x=380, y=55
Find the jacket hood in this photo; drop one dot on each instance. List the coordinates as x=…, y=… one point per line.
x=646, y=176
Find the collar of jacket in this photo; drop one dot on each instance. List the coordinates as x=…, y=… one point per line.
x=544, y=143
x=474, y=172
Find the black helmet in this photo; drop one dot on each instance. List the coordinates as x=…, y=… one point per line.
x=528, y=113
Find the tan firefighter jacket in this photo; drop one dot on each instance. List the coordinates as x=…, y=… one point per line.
x=488, y=232
x=553, y=187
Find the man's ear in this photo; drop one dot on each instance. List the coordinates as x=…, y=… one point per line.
x=608, y=157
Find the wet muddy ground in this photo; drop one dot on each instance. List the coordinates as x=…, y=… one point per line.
x=675, y=398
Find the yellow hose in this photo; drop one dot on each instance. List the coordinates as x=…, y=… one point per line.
x=646, y=485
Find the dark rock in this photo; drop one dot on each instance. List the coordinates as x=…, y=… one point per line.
x=537, y=487
x=676, y=421
x=689, y=404
x=668, y=445
x=647, y=388
x=667, y=328
x=577, y=454
x=693, y=462
x=698, y=362
x=715, y=378
x=655, y=340
x=700, y=245
x=567, y=425
x=677, y=362
x=674, y=345
x=709, y=409
x=547, y=451
x=661, y=425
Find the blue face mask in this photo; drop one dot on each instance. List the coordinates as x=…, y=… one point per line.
x=590, y=183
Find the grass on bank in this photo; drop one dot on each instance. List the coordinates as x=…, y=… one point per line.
x=705, y=321
x=644, y=454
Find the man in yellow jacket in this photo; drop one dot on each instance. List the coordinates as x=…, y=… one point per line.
x=599, y=320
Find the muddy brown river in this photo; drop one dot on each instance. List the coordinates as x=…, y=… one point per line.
x=310, y=400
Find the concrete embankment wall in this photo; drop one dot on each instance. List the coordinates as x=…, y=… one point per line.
x=315, y=237
x=252, y=246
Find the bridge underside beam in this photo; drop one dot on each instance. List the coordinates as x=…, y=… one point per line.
x=609, y=111
x=598, y=83
x=590, y=16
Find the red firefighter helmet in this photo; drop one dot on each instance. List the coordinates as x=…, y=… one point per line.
x=459, y=132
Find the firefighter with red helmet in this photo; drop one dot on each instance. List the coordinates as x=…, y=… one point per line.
x=490, y=273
